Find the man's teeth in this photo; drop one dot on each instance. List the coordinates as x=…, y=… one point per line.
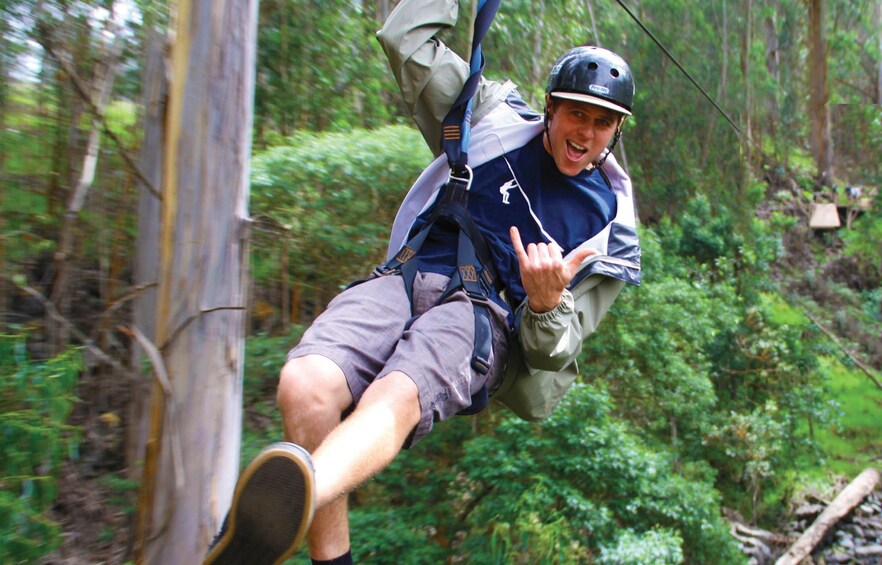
x=577, y=147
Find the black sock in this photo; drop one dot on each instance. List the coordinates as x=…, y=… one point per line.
x=345, y=559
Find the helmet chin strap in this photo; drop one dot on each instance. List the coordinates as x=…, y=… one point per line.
x=609, y=149
x=545, y=124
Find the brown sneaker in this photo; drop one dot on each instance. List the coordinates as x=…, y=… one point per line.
x=272, y=509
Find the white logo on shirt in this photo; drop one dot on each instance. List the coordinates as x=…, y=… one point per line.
x=503, y=190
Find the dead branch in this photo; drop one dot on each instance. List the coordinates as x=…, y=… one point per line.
x=83, y=338
x=165, y=382
x=44, y=38
x=851, y=496
x=120, y=302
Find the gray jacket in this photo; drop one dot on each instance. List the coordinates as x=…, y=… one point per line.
x=430, y=77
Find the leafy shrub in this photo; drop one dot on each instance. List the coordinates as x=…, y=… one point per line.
x=862, y=244
x=707, y=231
x=327, y=202
x=655, y=547
x=36, y=399
x=572, y=485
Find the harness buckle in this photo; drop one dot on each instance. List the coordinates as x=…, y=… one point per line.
x=383, y=270
x=480, y=365
x=463, y=176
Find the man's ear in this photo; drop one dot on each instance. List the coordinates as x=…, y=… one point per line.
x=549, y=104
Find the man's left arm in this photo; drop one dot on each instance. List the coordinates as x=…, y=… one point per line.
x=553, y=322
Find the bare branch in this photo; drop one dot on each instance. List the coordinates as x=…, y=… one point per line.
x=193, y=317
x=45, y=40
x=162, y=376
x=83, y=338
x=121, y=301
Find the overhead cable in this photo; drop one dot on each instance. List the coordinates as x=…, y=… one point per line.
x=679, y=66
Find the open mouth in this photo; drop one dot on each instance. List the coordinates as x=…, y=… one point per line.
x=575, y=151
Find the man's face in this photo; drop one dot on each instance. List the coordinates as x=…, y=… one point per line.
x=578, y=132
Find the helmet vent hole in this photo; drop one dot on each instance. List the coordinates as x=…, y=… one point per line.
x=592, y=66
x=614, y=72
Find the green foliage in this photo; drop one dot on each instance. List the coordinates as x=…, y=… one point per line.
x=320, y=68
x=655, y=547
x=328, y=201
x=706, y=232
x=414, y=504
x=751, y=442
x=862, y=244
x=652, y=349
x=852, y=444
x=578, y=488
x=264, y=357
x=36, y=399
x=571, y=485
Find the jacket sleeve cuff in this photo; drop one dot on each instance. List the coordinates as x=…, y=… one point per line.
x=565, y=307
x=550, y=340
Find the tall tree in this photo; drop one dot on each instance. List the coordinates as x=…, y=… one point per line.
x=96, y=100
x=819, y=93
x=146, y=267
x=747, y=122
x=877, y=24
x=192, y=447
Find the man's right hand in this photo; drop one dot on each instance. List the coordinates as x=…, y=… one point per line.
x=544, y=272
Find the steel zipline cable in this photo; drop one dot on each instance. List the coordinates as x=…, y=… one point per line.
x=679, y=66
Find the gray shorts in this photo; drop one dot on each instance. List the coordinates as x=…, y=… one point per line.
x=363, y=332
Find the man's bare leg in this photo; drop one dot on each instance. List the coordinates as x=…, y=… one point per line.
x=368, y=440
x=312, y=395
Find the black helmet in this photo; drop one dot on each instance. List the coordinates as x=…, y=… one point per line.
x=594, y=75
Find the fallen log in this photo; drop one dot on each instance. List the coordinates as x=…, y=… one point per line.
x=852, y=495
x=766, y=536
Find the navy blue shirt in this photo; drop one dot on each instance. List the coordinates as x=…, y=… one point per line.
x=523, y=188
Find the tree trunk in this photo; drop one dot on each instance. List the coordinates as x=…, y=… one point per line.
x=773, y=67
x=285, y=61
x=5, y=288
x=596, y=39
x=747, y=134
x=192, y=448
x=538, y=71
x=105, y=76
x=153, y=99
x=721, y=86
x=819, y=94
x=877, y=20
x=296, y=301
x=285, y=245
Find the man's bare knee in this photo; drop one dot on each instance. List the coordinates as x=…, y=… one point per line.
x=312, y=385
x=399, y=393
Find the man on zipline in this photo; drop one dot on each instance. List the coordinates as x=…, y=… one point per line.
x=463, y=309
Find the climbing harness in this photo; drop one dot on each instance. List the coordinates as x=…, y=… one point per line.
x=474, y=271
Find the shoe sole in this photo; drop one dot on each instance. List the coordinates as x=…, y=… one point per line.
x=266, y=523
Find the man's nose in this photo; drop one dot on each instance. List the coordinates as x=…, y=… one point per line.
x=587, y=131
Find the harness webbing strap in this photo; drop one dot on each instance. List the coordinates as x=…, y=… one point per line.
x=456, y=126
x=474, y=273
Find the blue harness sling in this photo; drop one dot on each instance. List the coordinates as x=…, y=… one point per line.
x=475, y=273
